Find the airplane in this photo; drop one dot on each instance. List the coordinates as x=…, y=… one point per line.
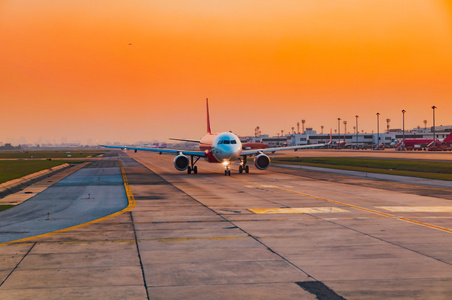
x=340, y=144
x=156, y=145
x=394, y=142
x=426, y=144
x=223, y=148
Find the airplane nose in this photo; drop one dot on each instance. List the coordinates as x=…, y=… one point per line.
x=226, y=153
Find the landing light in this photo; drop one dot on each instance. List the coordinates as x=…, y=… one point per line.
x=225, y=163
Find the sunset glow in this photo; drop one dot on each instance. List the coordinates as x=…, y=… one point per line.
x=132, y=71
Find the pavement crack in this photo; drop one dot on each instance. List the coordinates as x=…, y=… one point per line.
x=139, y=255
x=29, y=250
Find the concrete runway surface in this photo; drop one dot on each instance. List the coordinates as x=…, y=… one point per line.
x=275, y=234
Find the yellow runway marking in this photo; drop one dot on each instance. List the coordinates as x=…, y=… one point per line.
x=417, y=208
x=299, y=210
x=130, y=206
x=357, y=207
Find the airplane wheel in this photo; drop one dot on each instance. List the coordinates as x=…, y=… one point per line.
x=229, y=172
x=225, y=172
x=189, y=170
x=240, y=169
x=195, y=169
x=247, y=169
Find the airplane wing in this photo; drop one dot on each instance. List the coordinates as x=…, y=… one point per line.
x=184, y=140
x=185, y=152
x=257, y=151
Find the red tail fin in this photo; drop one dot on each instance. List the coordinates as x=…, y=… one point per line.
x=448, y=138
x=208, y=118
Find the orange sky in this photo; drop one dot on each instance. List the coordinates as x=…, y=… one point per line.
x=68, y=71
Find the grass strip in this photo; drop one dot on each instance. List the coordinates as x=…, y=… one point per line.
x=12, y=169
x=50, y=154
x=412, y=168
x=5, y=207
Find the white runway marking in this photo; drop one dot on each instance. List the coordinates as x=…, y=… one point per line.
x=417, y=208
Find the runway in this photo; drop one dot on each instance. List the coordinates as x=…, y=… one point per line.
x=274, y=234
x=389, y=153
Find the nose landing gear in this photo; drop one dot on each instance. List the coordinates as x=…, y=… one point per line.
x=227, y=171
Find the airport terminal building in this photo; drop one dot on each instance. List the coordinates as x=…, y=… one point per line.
x=310, y=137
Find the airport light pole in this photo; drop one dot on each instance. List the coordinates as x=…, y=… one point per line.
x=403, y=135
x=357, y=130
x=338, y=130
x=378, y=130
x=434, y=132
x=345, y=129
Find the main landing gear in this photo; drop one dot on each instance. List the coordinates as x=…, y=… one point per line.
x=192, y=167
x=243, y=166
x=194, y=170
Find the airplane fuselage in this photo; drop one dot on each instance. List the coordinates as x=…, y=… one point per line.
x=222, y=147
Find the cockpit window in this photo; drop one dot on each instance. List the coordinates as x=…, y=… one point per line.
x=234, y=142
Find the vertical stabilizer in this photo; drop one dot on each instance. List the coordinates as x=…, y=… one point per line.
x=208, y=118
x=448, y=138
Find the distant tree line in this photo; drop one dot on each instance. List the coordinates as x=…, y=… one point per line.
x=8, y=146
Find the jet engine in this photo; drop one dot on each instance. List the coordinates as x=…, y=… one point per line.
x=181, y=162
x=262, y=161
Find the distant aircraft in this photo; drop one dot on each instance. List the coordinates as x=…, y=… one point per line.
x=340, y=144
x=158, y=145
x=427, y=144
x=221, y=148
x=394, y=143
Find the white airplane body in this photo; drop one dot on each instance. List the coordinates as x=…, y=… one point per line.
x=221, y=148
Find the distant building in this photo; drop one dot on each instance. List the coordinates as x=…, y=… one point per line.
x=310, y=137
